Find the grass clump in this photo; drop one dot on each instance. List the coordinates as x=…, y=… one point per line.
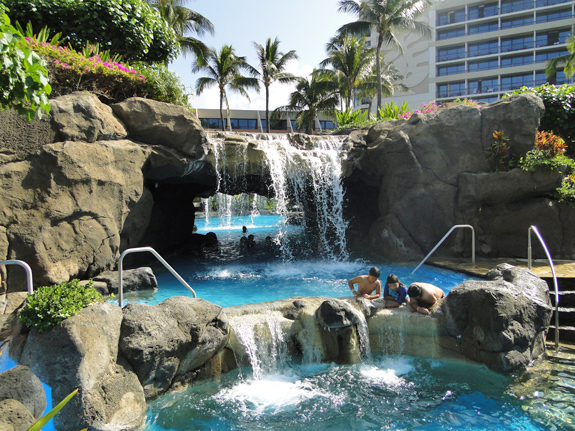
x=50, y=305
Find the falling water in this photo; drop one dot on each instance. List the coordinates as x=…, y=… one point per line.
x=310, y=178
x=363, y=333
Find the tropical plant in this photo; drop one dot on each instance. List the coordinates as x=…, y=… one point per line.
x=185, y=23
x=351, y=61
x=390, y=82
x=23, y=77
x=49, y=305
x=549, y=143
x=130, y=28
x=498, y=152
x=566, y=192
x=224, y=69
x=386, y=18
x=312, y=96
x=559, y=115
x=567, y=60
x=349, y=117
x=41, y=423
x=272, y=64
x=391, y=111
x=426, y=108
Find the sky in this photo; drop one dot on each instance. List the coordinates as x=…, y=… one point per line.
x=301, y=25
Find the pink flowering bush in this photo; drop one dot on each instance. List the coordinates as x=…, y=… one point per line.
x=425, y=109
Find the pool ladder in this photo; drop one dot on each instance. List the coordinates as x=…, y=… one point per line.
x=162, y=261
x=531, y=229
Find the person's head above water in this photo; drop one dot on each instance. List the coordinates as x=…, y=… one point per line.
x=392, y=279
x=374, y=272
x=244, y=229
x=414, y=291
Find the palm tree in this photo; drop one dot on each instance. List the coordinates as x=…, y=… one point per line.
x=386, y=17
x=312, y=96
x=390, y=77
x=568, y=60
x=185, y=21
x=224, y=69
x=272, y=64
x=352, y=61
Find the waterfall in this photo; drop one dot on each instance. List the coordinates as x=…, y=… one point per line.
x=363, y=333
x=305, y=174
x=263, y=342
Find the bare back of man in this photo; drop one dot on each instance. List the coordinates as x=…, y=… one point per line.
x=429, y=294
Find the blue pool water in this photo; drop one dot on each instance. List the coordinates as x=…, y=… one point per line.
x=386, y=392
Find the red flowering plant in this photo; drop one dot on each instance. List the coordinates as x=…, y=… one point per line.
x=498, y=153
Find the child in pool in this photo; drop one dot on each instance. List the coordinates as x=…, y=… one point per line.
x=366, y=284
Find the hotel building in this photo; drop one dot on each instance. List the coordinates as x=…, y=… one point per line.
x=482, y=50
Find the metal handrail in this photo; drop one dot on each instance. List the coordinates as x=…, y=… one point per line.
x=443, y=239
x=534, y=229
x=28, y=272
x=160, y=258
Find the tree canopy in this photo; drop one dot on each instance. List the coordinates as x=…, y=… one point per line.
x=130, y=28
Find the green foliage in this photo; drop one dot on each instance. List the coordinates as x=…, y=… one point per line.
x=549, y=143
x=161, y=84
x=350, y=118
x=566, y=193
x=559, y=113
x=391, y=111
x=23, y=78
x=40, y=423
x=130, y=28
x=498, y=152
x=49, y=305
x=538, y=160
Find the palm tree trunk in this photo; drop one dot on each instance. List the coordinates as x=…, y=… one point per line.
x=222, y=112
x=378, y=71
x=267, y=108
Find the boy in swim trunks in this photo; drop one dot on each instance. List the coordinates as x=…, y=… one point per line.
x=394, y=291
x=366, y=284
x=423, y=296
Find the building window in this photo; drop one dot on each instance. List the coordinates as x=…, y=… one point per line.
x=517, y=22
x=451, y=53
x=454, y=89
x=477, y=66
x=489, y=85
x=451, y=17
x=516, y=43
x=452, y=69
x=509, y=83
x=450, y=33
x=542, y=57
x=327, y=125
x=484, y=27
x=483, y=11
x=554, y=16
x=516, y=5
x=518, y=60
x=211, y=123
x=484, y=48
x=244, y=124
x=551, y=38
x=542, y=3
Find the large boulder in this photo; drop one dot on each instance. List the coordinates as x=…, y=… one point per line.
x=158, y=123
x=14, y=416
x=81, y=116
x=170, y=341
x=133, y=280
x=21, y=384
x=502, y=322
x=82, y=351
x=65, y=210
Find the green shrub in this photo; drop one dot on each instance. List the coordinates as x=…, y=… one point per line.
x=23, y=78
x=559, y=113
x=566, y=193
x=49, y=305
x=391, y=111
x=538, y=160
x=130, y=28
x=161, y=84
x=498, y=152
x=350, y=117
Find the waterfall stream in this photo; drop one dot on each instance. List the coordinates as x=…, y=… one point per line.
x=305, y=179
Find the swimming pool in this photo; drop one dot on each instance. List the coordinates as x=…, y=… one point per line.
x=384, y=392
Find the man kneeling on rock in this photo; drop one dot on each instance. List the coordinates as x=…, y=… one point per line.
x=422, y=296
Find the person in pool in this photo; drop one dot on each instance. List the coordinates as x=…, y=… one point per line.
x=366, y=284
x=422, y=296
x=394, y=291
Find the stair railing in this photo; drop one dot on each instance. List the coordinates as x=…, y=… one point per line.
x=162, y=261
x=445, y=237
x=28, y=272
x=534, y=229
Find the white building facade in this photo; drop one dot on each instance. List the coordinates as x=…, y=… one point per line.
x=482, y=50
